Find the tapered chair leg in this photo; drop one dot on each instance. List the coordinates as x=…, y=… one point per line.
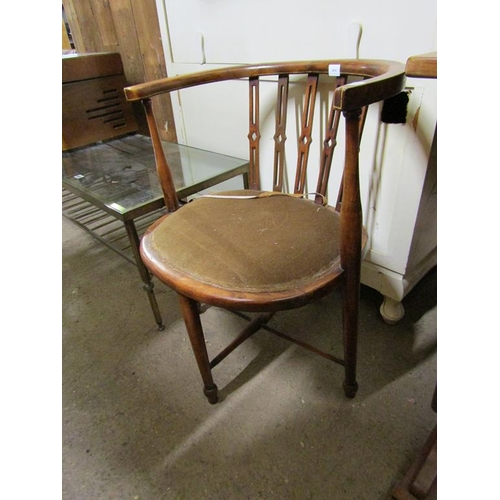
x=350, y=306
x=190, y=312
x=350, y=250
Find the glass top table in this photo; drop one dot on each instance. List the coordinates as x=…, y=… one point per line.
x=119, y=178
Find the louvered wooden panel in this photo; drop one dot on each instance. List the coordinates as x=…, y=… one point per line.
x=95, y=110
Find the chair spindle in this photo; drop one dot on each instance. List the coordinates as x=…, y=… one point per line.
x=280, y=134
x=254, y=133
x=162, y=168
x=305, y=138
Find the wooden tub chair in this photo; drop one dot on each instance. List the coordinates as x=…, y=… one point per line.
x=263, y=251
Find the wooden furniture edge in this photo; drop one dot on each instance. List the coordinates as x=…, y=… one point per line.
x=350, y=96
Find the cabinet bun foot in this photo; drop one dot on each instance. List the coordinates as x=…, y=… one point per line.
x=391, y=311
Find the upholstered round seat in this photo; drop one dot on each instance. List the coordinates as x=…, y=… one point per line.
x=265, y=245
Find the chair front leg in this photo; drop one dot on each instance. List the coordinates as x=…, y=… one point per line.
x=350, y=249
x=191, y=315
x=350, y=307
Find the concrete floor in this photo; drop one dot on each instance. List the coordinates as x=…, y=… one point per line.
x=136, y=425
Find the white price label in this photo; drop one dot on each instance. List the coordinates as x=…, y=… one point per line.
x=334, y=69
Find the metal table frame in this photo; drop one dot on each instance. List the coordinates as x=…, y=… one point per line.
x=151, y=208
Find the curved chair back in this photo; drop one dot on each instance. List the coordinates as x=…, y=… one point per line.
x=358, y=84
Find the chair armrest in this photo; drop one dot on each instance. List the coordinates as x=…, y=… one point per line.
x=384, y=79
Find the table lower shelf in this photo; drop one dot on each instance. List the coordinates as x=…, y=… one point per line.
x=104, y=227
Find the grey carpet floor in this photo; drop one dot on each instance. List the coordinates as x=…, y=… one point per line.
x=136, y=425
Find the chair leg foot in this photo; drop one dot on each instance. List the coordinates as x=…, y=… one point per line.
x=350, y=390
x=212, y=394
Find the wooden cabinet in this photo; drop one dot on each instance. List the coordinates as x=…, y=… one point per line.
x=130, y=29
x=94, y=107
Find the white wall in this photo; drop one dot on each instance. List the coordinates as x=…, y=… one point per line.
x=204, y=34
x=238, y=31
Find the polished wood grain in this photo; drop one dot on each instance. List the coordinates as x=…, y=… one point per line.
x=375, y=81
x=254, y=132
x=422, y=66
x=385, y=78
x=94, y=107
x=280, y=132
x=132, y=29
